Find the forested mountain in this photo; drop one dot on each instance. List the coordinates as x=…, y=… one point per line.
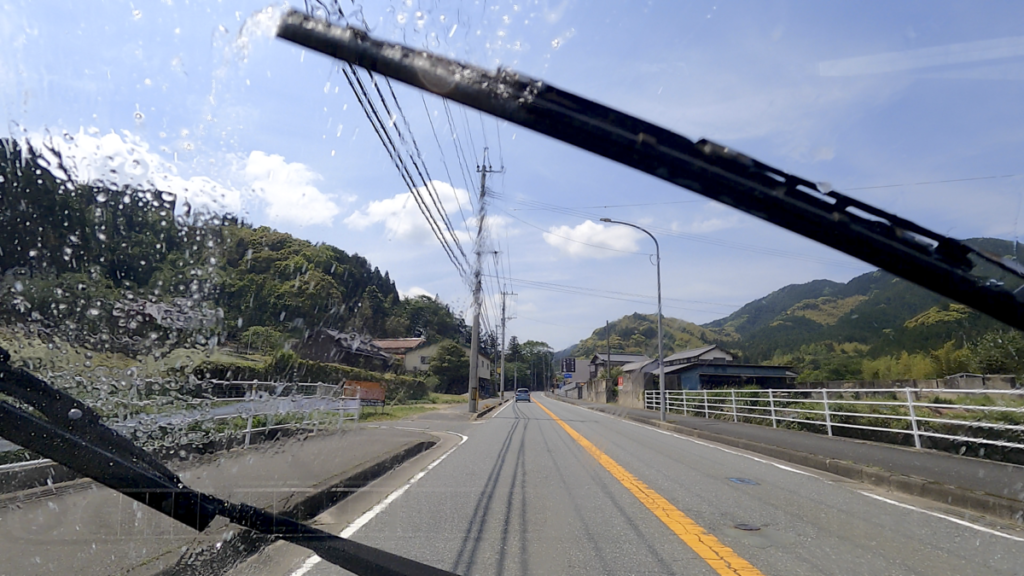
x=116, y=269
x=638, y=334
x=874, y=326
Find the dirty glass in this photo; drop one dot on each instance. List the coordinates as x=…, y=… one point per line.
x=205, y=228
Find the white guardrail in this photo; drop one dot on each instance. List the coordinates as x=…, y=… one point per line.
x=989, y=417
x=264, y=406
x=247, y=408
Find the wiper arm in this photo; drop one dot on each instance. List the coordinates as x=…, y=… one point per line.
x=932, y=260
x=72, y=434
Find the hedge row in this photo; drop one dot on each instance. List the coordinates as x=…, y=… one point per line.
x=288, y=367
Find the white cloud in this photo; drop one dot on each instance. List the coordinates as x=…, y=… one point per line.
x=593, y=240
x=992, y=49
x=403, y=219
x=414, y=292
x=707, y=225
x=288, y=189
x=115, y=160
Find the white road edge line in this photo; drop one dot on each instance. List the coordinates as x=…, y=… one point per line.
x=500, y=409
x=723, y=449
x=943, y=516
x=784, y=467
x=703, y=443
x=369, y=514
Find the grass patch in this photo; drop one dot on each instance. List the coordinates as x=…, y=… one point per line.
x=447, y=398
x=434, y=398
x=393, y=413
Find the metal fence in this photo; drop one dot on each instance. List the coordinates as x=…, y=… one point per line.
x=984, y=417
x=570, y=391
x=310, y=406
x=233, y=409
x=259, y=407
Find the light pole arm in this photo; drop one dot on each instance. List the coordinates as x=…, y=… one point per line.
x=661, y=356
x=657, y=248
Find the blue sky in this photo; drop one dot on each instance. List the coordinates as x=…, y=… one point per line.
x=872, y=97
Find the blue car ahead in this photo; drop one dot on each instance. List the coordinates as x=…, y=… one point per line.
x=523, y=395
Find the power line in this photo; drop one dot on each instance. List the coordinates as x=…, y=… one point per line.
x=628, y=294
x=607, y=297
x=693, y=237
x=553, y=323
x=635, y=253
x=444, y=163
x=469, y=133
x=936, y=182
x=460, y=154
x=508, y=261
x=482, y=129
x=501, y=155
x=627, y=205
x=427, y=181
x=373, y=115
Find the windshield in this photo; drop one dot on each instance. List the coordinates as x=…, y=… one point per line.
x=300, y=283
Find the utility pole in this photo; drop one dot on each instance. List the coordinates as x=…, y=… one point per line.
x=503, y=346
x=661, y=357
x=608, y=358
x=515, y=376
x=474, y=348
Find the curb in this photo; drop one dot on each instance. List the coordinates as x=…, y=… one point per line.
x=487, y=410
x=970, y=500
x=37, y=476
x=221, y=557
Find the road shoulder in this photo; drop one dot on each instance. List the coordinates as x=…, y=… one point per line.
x=839, y=456
x=285, y=559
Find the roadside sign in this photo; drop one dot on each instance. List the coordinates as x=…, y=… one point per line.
x=567, y=375
x=370, y=393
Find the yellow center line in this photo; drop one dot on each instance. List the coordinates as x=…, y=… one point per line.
x=719, y=556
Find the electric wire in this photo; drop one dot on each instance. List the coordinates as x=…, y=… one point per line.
x=379, y=127
x=426, y=181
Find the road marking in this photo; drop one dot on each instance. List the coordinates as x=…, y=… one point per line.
x=703, y=443
x=500, y=409
x=944, y=516
x=883, y=499
x=723, y=449
x=720, y=557
x=369, y=514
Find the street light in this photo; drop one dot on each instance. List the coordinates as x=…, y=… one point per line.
x=661, y=361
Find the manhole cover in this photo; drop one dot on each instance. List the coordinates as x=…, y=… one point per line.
x=746, y=481
x=748, y=527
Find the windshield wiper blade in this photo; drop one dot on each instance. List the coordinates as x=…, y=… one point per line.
x=934, y=261
x=72, y=434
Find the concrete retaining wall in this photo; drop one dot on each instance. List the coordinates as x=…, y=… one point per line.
x=990, y=382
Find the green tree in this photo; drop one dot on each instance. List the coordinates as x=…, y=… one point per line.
x=371, y=318
x=450, y=366
x=429, y=318
x=951, y=359
x=260, y=340
x=514, y=350
x=538, y=358
x=998, y=352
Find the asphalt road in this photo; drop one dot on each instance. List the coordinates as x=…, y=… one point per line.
x=524, y=495
x=97, y=532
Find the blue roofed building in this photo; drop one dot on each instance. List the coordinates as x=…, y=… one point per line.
x=705, y=368
x=712, y=367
